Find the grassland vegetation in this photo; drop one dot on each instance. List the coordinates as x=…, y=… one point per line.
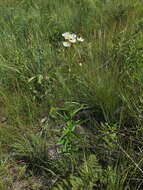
x=71, y=95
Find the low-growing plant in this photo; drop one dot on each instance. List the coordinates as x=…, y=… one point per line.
x=33, y=150
x=69, y=138
x=87, y=176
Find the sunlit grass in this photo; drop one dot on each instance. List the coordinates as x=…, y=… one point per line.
x=98, y=65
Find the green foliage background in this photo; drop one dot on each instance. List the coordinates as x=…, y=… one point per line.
x=84, y=103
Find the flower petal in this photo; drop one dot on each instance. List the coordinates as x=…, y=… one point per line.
x=80, y=39
x=72, y=40
x=73, y=36
x=66, y=34
x=66, y=44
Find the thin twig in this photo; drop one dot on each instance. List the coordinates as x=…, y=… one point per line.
x=121, y=148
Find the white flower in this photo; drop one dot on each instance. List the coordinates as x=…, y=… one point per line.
x=73, y=36
x=66, y=44
x=66, y=35
x=72, y=40
x=70, y=37
x=80, y=39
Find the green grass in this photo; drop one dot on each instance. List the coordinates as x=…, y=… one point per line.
x=71, y=117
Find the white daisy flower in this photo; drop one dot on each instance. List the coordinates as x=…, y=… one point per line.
x=70, y=37
x=73, y=36
x=66, y=34
x=80, y=39
x=72, y=40
x=66, y=44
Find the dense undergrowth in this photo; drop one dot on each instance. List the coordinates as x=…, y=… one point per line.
x=71, y=117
